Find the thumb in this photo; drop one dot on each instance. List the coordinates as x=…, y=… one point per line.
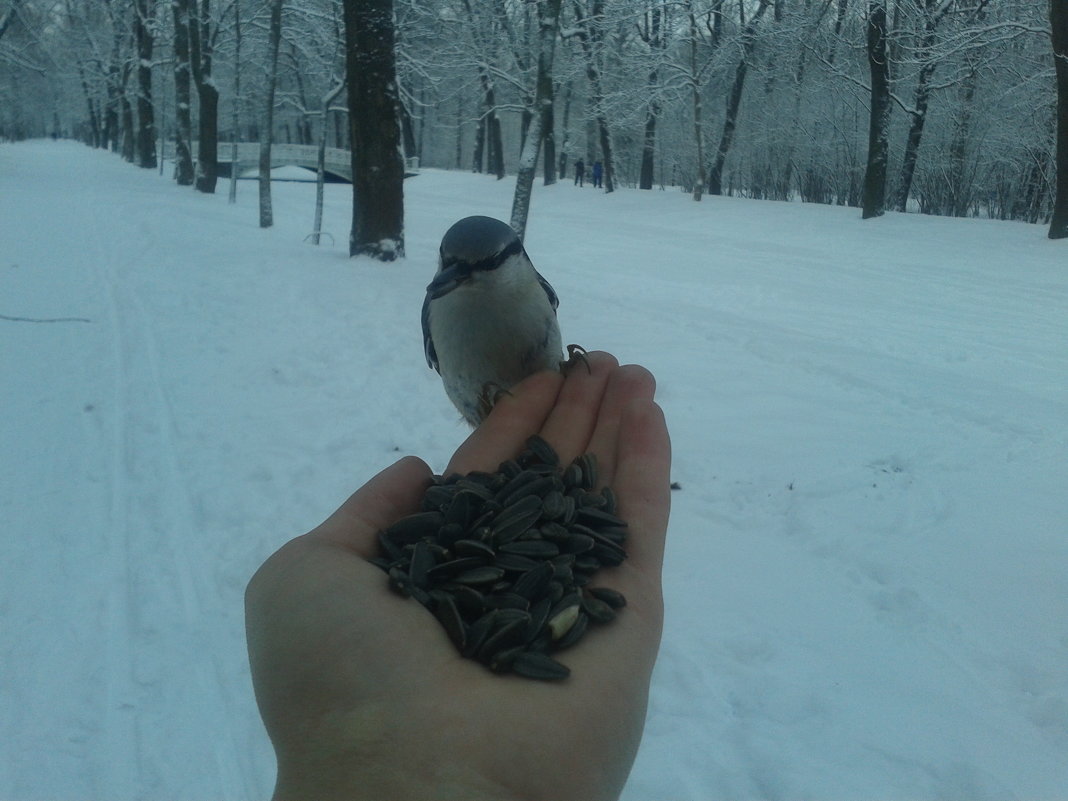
x=389, y=496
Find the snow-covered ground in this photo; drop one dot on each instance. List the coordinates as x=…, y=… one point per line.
x=867, y=568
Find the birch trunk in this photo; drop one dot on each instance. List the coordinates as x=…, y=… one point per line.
x=873, y=193
x=548, y=23
x=183, y=153
x=274, y=37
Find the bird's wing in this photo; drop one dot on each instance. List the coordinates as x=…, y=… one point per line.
x=428, y=341
x=550, y=293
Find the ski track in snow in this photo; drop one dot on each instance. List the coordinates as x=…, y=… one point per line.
x=866, y=562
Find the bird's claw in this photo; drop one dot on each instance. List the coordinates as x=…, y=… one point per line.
x=575, y=354
x=487, y=399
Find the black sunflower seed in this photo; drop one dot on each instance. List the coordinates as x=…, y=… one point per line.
x=542, y=450
x=502, y=661
x=507, y=635
x=479, y=575
x=514, y=563
x=535, y=665
x=447, y=613
x=477, y=633
x=423, y=560
x=501, y=558
x=399, y=581
x=539, y=617
x=473, y=548
x=598, y=610
x=573, y=634
x=609, y=500
x=534, y=583
x=611, y=597
x=592, y=516
x=446, y=570
x=535, y=549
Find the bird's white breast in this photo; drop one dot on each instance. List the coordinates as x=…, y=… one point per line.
x=496, y=329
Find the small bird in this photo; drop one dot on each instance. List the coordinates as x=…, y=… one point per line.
x=489, y=318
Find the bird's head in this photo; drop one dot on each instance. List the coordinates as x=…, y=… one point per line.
x=474, y=248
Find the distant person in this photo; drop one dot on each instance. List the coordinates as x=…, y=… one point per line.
x=598, y=173
x=580, y=172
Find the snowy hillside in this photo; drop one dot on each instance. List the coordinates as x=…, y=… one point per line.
x=867, y=561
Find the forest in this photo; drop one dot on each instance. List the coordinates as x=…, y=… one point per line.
x=953, y=103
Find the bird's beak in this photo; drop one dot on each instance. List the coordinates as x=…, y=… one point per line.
x=447, y=279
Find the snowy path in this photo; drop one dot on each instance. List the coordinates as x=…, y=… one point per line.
x=867, y=561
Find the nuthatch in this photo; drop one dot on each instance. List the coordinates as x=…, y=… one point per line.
x=489, y=318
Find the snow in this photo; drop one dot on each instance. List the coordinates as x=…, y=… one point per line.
x=867, y=561
x=289, y=172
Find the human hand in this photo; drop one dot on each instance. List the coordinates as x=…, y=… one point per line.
x=364, y=695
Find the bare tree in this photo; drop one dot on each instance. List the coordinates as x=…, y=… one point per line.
x=377, y=165
x=143, y=20
x=235, y=106
x=548, y=25
x=1058, y=17
x=874, y=192
x=201, y=53
x=591, y=38
x=9, y=16
x=274, y=36
x=488, y=138
x=183, y=152
x=734, y=100
x=653, y=32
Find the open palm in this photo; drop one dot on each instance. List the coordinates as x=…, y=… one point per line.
x=364, y=695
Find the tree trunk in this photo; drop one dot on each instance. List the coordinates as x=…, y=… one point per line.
x=654, y=37
x=146, y=126
x=183, y=154
x=200, y=59
x=695, y=87
x=645, y=176
x=590, y=38
x=407, y=130
x=548, y=22
x=912, y=143
x=959, y=192
x=488, y=136
x=734, y=101
x=1058, y=16
x=561, y=158
x=274, y=37
x=126, y=112
x=207, y=172
x=9, y=16
x=873, y=194
x=932, y=16
x=113, y=114
x=377, y=166
x=839, y=18
x=235, y=106
x=548, y=135
x=320, y=174
x=94, y=124
x=478, y=157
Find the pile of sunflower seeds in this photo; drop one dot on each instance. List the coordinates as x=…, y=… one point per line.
x=504, y=560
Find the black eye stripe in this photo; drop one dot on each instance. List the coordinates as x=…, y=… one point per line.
x=513, y=248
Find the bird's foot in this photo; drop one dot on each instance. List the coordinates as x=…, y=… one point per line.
x=487, y=399
x=575, y=354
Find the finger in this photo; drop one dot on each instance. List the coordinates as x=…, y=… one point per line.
x=389, y=496
x=573, y=418
x=629, y=383
x=515, y=417
x=643, y=485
